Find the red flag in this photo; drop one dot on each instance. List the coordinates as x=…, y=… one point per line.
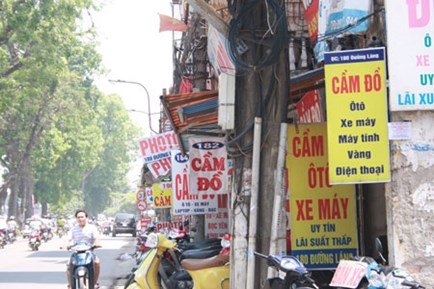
x=168, y=23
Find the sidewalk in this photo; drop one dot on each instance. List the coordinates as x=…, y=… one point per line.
x=123, y=268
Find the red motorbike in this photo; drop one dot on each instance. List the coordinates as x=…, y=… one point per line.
x=35, y=240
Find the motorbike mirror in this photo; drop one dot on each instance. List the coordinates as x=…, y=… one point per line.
x=379, y=248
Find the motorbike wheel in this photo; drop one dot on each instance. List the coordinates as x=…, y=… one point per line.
x=82, y=283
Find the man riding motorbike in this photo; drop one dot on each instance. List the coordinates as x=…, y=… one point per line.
x=83, y=232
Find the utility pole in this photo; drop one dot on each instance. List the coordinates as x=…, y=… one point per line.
x=262, y=90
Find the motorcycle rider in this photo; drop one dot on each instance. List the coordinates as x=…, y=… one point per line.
x=3, y=227
x=12, y=225
x=83, y=232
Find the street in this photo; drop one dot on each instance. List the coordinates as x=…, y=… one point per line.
x=21, y=268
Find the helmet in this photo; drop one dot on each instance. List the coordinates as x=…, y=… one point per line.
x=12, y=218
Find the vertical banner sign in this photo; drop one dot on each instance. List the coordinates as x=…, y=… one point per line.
x=185, y=203
x=323, y=216
x=208, y=173
x=356, y=103
x=410, y=50
x=162, y=195
x=311, y=9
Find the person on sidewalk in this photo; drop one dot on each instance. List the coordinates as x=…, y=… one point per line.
x=83, y=232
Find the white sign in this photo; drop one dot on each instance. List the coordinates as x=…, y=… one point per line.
x=217, y=225
x=141, y=195
x=400, y=130
x=183, y=202
x=208, y=166
x=158, y=147
x=160, y=168
x=141, y=205
x=344, y=14
x=410, y=48
x=348, y=274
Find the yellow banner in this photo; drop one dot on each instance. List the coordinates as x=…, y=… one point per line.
x=357, y=116
x=323, y=216
x=162, y=193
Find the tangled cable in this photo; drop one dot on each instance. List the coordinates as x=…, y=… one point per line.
x=277, y=27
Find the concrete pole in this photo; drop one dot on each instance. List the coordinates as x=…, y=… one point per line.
x=254, y=203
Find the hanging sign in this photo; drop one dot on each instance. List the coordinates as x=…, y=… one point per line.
x=356, y=100
x=323, y=216
x=208, y=173
x=410, y=50
x=158, y=147
x=162, y=195
x=185, y=203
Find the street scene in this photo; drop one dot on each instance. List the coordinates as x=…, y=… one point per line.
x=21, y=267
x=216, y=144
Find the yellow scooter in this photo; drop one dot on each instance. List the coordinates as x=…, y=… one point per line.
x=208, y=273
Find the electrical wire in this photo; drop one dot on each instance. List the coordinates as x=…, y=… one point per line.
x=245, y=21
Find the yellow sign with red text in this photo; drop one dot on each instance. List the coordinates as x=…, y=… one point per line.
x=323, y=216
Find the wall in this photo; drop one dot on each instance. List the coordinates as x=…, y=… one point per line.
x=410, y=198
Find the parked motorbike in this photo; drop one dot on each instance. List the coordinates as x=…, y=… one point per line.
x=365, y=273
x=34, y=240
x=210, y=273
x=81, y=267
x=295, y=273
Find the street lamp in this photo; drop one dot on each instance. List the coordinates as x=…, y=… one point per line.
x=147, y=95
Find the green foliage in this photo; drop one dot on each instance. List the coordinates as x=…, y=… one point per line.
x=123, y=203
x=61, y=140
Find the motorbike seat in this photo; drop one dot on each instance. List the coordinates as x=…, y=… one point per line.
x=200, y=244
x=197, y=264
x=200, y=253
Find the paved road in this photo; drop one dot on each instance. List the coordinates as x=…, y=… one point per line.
x=21, y=268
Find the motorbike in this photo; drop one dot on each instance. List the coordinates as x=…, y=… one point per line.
x=12, y=236
x=211, y=272
x=34, y=240
x=366, y=273
x=46, y=234
x=295, y=275
x=81, y=267
x=2, y=239
x=60, y=232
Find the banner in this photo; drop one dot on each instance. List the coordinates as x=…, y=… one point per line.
x=309, y=108
x=345, y=16
x=208, y=173
x=162, y=195
x=161, y=168
x=410, y=28
x=356, y=101
x=217, y=225
x=168, y=23
x=218, y=55
x=311, y=11
x=323, y=216
x=185, y=203
x=158, y=147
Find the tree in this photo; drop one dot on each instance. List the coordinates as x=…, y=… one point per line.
x=42, y=52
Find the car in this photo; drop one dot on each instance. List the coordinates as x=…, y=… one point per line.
x=124, y=223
